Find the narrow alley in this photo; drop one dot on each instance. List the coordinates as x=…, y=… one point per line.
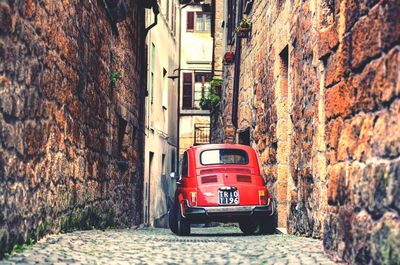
x=125, y=125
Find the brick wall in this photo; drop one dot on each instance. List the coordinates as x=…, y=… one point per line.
x=320, y=93
x=69, y=115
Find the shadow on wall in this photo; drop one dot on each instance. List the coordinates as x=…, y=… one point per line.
x=162, y=221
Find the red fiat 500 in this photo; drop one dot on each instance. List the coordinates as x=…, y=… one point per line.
x=222, y=183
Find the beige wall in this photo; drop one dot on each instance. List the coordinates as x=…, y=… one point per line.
x=197, y=48
x=161, y=115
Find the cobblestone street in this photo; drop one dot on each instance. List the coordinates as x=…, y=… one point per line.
x=218, y=245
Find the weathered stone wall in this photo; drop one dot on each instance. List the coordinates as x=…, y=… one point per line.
x=319, y=90
x=69, y=104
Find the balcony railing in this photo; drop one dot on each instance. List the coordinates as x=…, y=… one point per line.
x=201, y=134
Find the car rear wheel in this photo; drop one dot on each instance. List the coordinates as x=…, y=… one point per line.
x=268, y=224
x=248, y=227
x=173, y=219
x=183, y=225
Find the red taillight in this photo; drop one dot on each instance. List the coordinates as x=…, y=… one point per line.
x=193, y=198
x=262, y=197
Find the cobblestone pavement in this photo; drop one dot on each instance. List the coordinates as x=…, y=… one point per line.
x=217, y=245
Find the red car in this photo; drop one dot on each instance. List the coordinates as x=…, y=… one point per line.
x=222, y=183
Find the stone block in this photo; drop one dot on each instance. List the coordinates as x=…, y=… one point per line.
x=389, y=22
x=5, y=19
x=386, y=139
x=385, y=240
x=338, y=64
x=365, y=38
x=328, y=40
x=339, y=101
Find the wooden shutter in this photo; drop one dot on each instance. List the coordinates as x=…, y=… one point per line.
x=187, y=101
x=190, y=21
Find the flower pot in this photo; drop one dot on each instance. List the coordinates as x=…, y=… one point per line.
x=243, y=32
x=229, y=57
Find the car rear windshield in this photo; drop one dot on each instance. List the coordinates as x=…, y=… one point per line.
x=224, y=156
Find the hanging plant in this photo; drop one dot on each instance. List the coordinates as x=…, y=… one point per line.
x=213, y=96
x=229, y=58
x=244, y=27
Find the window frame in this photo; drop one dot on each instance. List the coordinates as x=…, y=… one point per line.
x=217, y=164
x=194, y=21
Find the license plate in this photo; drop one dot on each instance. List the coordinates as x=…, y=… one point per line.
x=230, y=197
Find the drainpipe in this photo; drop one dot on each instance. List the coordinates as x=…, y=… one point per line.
x=156, y=11
x=235, y=100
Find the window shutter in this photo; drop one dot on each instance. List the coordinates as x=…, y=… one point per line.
x=187, y=101
x=190, y=21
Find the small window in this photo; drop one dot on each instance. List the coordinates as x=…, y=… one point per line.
x=203, y=22
x=185, y=166
x=224, y=156
x=163, y=170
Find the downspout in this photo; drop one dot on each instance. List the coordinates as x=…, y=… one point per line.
x=238, y=50
x=156, y=11
x=178, y=110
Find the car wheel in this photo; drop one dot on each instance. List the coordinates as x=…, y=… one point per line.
x=248, y=227
x=268, y=224
x=173, y=219
x=183, y=225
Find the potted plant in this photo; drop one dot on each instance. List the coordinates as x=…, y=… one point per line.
x=244, y=27
x=229, y=57
x=213, y=96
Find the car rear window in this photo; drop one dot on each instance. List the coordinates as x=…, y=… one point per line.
x=224, y=156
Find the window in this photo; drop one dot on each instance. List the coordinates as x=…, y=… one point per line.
x=194, y=91
x=173, y=161
x=163, y=171
x=224, y=156
x=244, y=137
x=201, y=85
x=201, y=20
x=185, y=166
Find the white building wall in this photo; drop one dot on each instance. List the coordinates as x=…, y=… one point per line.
x=161, y=114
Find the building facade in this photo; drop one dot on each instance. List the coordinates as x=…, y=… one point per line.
x=71, y=140
x=161, y=134
x=314, y=88
x=196, y=73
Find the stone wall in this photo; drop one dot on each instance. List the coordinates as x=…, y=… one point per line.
x=69, y=115
x=320, y=93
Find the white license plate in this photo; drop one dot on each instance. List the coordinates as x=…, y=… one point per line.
x=228, y=197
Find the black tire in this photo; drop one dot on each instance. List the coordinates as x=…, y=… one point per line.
x=173, y=219
x=268, y=224
x=183, y=225
x=248, y=227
